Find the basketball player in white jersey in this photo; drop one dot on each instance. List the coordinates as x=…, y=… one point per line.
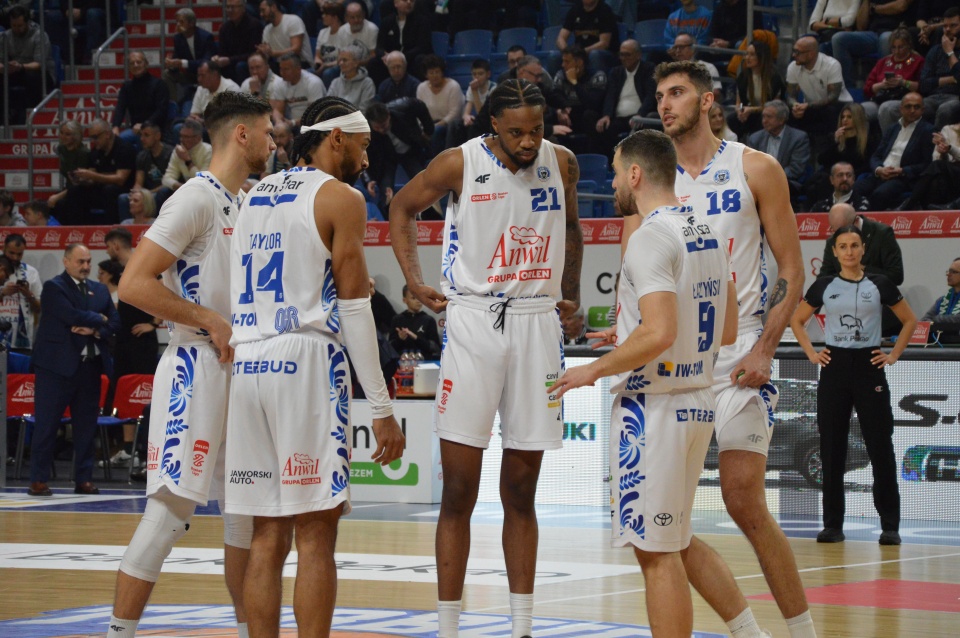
x=298, y=289
x=512, y=246
x=744, y=195
x=677, y=306
x=178, y=273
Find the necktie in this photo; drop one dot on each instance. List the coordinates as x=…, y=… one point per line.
x=90, y=350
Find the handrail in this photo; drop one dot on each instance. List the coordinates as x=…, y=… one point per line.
x=799, y=12
x=96, y=60
x=43, y=54
x=58, y=93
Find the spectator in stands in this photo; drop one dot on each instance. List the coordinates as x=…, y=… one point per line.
x=876, y=19
x=240, y=34
x=189, y=157
x=682, y=49
x=853, y=142
x=842, y=179
x=383, y=311
x=575, y=329
x=37, y=213
x=718, y=124
x=283, y=33
x=400, y=83
x=153, y=160
x=443, y=98
x=113, y=163
x=9, y=216
x=143, y=207
x=904, y=153
x=90, y=19
x=584, y=93
x=210, y=83
x=191, y=46
x=891, y=78
x=119, y=243
x=143, y=97
x=402, y=130
x=27, y=48
x=362, y=31
x=757, y=83
x=7, y=6
x=594, y=28
x=20, y=296
x=331, y=39
x=77, y=319
x=409, y=32
x=790, y=146
x=630, y=91
x=263, y=82
x=475, y=96
x=820, y=79
x=280, y=158
x=514, y=54
x=929, y=22
x=939, y=184
x=72, y=154
x=298, y=91
x=353, y=85
x=690, y=18
x=415, y=330
x=945, y=311
x=830, y=17
x=938, y=84
x=108, y=274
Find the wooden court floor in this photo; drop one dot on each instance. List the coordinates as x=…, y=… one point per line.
x=616, y=598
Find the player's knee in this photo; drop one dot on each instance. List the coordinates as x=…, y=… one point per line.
x=237, y=530
x=459, y=496
x=165, y=520
x=518, y=496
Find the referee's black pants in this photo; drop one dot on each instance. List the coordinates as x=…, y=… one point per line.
x=849, y=381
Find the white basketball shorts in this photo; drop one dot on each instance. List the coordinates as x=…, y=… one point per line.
x=187, y=423
x=752, y=435
x=657, y=446
x=484, y=370
x=287, y=452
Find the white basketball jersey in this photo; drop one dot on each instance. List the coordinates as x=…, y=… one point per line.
x=196, y=223
x=720, y=194
x=281, y=275
x=506, y=235
x=674, y=251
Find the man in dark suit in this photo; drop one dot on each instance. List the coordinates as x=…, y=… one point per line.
x=77, y=317
x=904, y=152
x=881, y=254
x=788, y=145
x=401, y=135
x=842, y=178
x=623, y=101
x=414, y=39
x=191, y=47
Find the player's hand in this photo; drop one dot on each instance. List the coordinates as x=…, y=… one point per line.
x=390, y=440
x=608, y=337
x=882, y=359
x=220, y=333
x=752, y=371
x=573, y=378
x=429, y=297
x=821, y=358
x=566, y=308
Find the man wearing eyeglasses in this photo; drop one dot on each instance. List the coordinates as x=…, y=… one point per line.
x=945, y=311
x=113, y=164
x=239, y=37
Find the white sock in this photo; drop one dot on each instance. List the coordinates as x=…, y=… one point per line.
x=242, y=631
x=521, y=611
x=120, y=628
x=745, y=626
x=448, y=612
x=802, y=626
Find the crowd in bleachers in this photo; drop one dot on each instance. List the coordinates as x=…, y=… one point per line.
x=873, y=85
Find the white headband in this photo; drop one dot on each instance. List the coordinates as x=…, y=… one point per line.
x=353, y=123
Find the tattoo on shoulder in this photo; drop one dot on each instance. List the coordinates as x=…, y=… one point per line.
x=779, y=292
x=573, y=169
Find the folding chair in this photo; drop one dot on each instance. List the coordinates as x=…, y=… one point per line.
x=20, y=407
x=133, y=394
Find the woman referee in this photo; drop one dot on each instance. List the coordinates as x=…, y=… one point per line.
x=853, y=376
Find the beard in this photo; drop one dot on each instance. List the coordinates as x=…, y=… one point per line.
x=684, y=123
x=626, y=203
x=350, y=170
x=516, y=159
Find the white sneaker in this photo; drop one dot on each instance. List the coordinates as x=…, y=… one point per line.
x=120, y=459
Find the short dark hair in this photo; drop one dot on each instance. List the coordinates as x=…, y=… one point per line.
x=151, y=124
x=951, y=12
x=517, y=47
x=653, y=152
x=113, y=268
x=15, y=239
x=38, y=206
x=326, y=108
x=480, y=63
x=513, y=94
x=406, y=289
x=335, y=9
x=19, y=11
x=377, y=112
x=121, y=235
x=228, y=107
x=6, y=199
x=576, y=51
x=695, y=72
x=287, y=57
x=849, y=228
x=433, y=61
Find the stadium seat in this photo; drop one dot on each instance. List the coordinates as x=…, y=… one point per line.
x=475, y=42
x=441, y=43
x=585, y=206
x=463, y=79
x=549, y=40
x=524, y=36
x=460, y=64
x=649, y=33
x=373, y=213
x=593, y=167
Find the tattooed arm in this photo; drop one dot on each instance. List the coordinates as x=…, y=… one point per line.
x=772, y=194
x=573, y=260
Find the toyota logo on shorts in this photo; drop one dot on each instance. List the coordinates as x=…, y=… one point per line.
x=663, y=519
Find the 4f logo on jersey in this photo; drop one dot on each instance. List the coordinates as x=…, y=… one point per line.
x=482, y=179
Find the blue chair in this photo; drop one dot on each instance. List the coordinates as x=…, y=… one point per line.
x=649, y=33
x=460, y=64
x=593, y=167
x=474, y=42
x=524, y=36
x=463, y=79
x=373, y=213
x=623, y=32
x=58, y=63
x=441, y=43
x=585, y=205
x=549, y=40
